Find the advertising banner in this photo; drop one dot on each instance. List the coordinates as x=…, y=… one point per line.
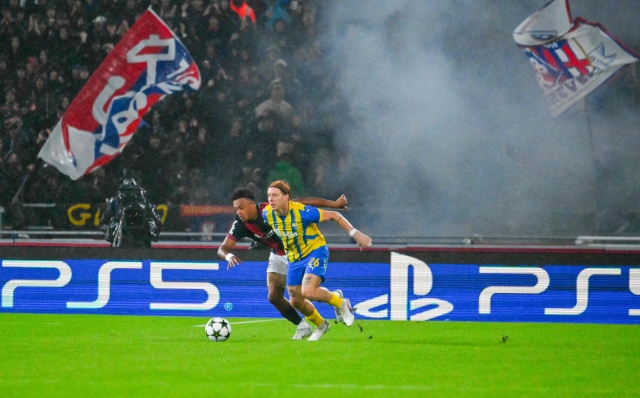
x=403, y=289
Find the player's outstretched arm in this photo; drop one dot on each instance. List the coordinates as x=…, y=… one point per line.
x=361, y=239
x=340, y=203
x=225, y=253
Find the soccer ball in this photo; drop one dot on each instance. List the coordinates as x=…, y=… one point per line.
x=218, y=329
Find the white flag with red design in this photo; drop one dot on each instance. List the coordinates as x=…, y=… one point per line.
x=571, y=58
x=148, y=64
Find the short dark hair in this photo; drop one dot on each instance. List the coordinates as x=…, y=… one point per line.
x=243, y=193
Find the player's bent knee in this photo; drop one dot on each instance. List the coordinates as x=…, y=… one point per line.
x=309, y=292
x=298, y=302
x=275, y=297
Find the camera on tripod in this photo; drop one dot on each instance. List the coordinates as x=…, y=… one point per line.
x=133, y=221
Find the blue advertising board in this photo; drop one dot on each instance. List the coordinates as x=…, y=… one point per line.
x=404, y=288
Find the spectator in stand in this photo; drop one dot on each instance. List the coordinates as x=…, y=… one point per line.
x=298, y=135
x=281, y=36
x=19, y=137
x=65, y=49
x=36, y=32
x=200, y=152
x=221, y=109
x=145, y=131
x=246, y=86
x=56, y=84
x=276, y=103
x=44, y=190
x=28, y=117
x=231, y=150
x=275, y=11
x=293, y=86
x=100, y=186
x=21, y=84
x=14, y=171
x=177, y=177
x=111, y=35
x=286, y=171
x=94, y=56
x=5, y=194
x=167, y=9
x=44, y=64
x=265, y=69
x=267, y=133
x=151, y=165
x=210, y=63
x=243, y=10
x=10, y=106
x=127, y=15
x=193, y=16
x=16, y=54
x=217, y=32
x=4, y=72
x=75, y=84
x=54, y=117
x=98, y=29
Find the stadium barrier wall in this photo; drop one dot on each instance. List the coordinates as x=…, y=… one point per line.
x=447, y=284
x=86, y=216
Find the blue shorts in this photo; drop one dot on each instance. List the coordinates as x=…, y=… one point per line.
x=315, y=263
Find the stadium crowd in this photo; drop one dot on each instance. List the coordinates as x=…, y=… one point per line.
x=266, y=109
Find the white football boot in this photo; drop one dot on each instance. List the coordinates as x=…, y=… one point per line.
x=338, y=310
x=348, y=315
x=320, y=330
x=304, y=330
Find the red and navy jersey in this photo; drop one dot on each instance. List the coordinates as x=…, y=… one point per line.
x=257, y=230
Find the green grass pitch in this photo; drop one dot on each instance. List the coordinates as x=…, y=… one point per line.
x=131, y=356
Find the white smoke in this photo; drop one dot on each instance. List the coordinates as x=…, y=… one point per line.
x=450, y=132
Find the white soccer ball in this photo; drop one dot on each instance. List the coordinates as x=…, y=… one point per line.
x=218, y=329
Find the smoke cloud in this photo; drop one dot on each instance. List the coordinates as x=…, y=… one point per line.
x=449, y=134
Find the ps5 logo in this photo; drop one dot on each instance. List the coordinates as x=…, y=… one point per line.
x=542, y=283
x=398, y=300
x=104, y=283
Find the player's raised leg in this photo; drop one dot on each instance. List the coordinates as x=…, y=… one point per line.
x=312, y=290
x=276, y=282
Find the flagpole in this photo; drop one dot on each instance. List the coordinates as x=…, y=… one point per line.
x=37, y=167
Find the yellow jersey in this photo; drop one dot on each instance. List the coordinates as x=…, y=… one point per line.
x=297, y=230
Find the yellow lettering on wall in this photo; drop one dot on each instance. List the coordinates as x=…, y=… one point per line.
x=164, y=209
x=83, y=215
x=96, y=218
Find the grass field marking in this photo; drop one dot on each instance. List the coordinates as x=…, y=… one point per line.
x=425, y=388
x=245, y=322
x=342, y=386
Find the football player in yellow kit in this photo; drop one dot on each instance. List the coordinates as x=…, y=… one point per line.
x=308, y=255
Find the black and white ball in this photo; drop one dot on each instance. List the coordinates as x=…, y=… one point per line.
x=218, y=329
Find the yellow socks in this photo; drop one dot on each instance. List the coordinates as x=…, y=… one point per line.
x=335, y=301
x=315, y=318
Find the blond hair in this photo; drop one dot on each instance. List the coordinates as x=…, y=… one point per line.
x=281, y=185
